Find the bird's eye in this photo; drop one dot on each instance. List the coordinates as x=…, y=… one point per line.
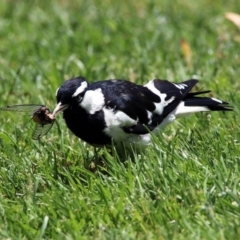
x=79, y=98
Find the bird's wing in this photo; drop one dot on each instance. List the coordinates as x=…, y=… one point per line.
x=147, y=105
x=171, y=93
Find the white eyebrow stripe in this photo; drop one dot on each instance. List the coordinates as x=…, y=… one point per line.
x=80, y=89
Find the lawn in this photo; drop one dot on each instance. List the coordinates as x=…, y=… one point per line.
x=186, y=186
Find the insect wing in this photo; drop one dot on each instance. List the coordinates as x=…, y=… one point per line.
x=41, y=130
x=31, y=108
x=43, y=123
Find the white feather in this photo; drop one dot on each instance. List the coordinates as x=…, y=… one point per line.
x=180, y=111
x=167, y=120
x=149, y=115
x=180, y=85
x=93, y=101
x=183, y=110
x=217, y=100
x=80, y=89
x=151, y=87
x=114, y=123
x=163, y=103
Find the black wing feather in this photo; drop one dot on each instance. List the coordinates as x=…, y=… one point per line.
x=171, y=90
x=130, y=98
x=135, y=100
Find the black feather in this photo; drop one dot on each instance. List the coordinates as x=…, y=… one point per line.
x=137, y=102
x=210, y=103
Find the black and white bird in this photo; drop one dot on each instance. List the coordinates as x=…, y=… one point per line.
x=122, y=111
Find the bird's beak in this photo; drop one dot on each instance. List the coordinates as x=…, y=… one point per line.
x=59, y=108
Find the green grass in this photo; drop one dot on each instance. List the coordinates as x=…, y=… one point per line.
x=185, y=187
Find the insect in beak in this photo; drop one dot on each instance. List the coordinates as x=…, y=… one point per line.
x=59, y=108
x=41, y=115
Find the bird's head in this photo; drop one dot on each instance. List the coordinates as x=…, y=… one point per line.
x=70, y=93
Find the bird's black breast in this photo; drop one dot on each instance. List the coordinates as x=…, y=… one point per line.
x=88, y=127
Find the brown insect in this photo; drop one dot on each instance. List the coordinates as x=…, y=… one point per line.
x=41, y=115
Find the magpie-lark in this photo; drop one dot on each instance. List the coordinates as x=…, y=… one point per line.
x=121, y=111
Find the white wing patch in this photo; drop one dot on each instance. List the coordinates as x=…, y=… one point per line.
x=217, y=100
x=163, y=103
x=167, y=120
x=80, y=89
x=93, y=101
x=180, y=85
x=151, y=87
x=166, y=102
x=114, y=123
x=149, y=115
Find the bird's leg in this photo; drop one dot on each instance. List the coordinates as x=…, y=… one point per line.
x=97, y=161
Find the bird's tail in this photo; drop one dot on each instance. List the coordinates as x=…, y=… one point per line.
x=192, y=104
